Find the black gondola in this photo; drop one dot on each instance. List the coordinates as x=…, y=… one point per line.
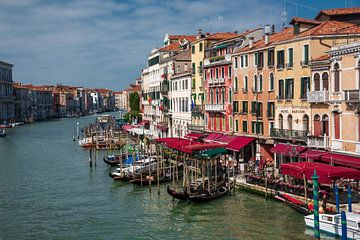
x=177, y=194
x=146, y=181
x=295, y=204
x=206, y=196
x=113, y=160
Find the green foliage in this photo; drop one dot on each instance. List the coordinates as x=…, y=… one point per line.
x=127, y=117
x=134, y=101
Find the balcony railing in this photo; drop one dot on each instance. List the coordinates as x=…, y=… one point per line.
x=215, y=107
x=289, y=65
x=352, y=95
x=304, y=63
x=217, y=59
x=197, y=108
x=288, y=134
x=319, y=141
x=318, y=96
x=194, y=127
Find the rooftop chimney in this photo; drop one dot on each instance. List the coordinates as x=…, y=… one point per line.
x=199, y=33
x=251, y=42
x=267, y=31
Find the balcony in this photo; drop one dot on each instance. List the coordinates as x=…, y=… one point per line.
x=164, y=87
x=221, y=80
x=289, y=65
x=352, y=96
x=317, y=96
x=196, y=128
x=215, y=107
x=318, y=142
x=197, y=108
x=289, y=134
x=217, y=60
x=304, y=63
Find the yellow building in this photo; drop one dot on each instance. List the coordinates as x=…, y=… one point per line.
x=197, y=85
x=307, y=40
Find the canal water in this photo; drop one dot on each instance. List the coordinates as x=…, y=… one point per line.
x=48, y=191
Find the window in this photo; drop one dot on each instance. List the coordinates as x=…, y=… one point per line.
x=306, y=123
x=245, y=84
x=223, y=123
x=337, y=125
x=230, y=122
x=255, y=56
x=200, y=47
x=289, y=122
x=317, y=125
x=245, y=107
x=305, y=87
x=280, y=59
x=260, y=61
x=211, y=96
x=244, y=127
x=259, y=109
x=230, y=96
x=290, y=58
x=316, y=82
x=325, y=125
x=222, y=72
x=325, y=81
x=270, y=57
x=281, y=89
x=253, y=107
x=260, y=83
x=229, y=71
x=236, y=63
x=193, y=49
x=281, y=122
x=217, y=96
x=236, y=84
x=217, y=73
x=193, y=85
x=193, y=68
x=223, y=95
x=211, y=74
x=200, y=67
x=336, y=78
x=270, y=109
x=289, y=88
x=255, y=84
x=246, y=61
x=241, y=61
x=217, y=123
x=236, y=125
x=306, y=55
x=236, y=106
x=271, y=82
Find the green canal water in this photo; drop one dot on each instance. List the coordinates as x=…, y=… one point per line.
x=48, y=191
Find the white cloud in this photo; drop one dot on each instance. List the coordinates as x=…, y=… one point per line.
x=105, y=43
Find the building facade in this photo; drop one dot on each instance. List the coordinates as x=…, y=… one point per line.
x=7, y=99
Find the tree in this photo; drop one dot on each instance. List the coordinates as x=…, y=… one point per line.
x=134, y=101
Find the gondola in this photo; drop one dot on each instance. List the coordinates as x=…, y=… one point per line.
x=113, y=160
x=297, y=205
x=176, y=194
x=146, y=181
x=206, y=196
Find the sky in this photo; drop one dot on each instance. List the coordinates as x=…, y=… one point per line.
x=105, y=43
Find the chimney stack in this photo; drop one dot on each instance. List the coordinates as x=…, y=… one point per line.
x=199, y=33
x=267, y=31
x=251, y=42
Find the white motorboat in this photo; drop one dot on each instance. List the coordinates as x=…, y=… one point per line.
x=331, y=224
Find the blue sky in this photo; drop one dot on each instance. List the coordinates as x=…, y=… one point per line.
x=104, y=43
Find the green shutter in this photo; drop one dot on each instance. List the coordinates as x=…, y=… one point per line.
x=306, y=54
x=291, y=56
x=302, y=88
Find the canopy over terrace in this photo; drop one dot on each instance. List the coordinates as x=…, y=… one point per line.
x=239, y=142
x=194, y=136
x=188, y=146
x=288, y=149
x=325, y=172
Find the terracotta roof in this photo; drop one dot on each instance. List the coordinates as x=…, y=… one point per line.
x=339, y=11
x=331, y=28
x=285, y=34
x=322, y=58
x=183, y=55
x=221, y=35
x=190, y=38
x=175, y=46
x=304, y=20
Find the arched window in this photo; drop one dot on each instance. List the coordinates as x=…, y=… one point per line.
x=317, y=82
x=336, y=78
x=306, y=123
x=271, y=83
x=217, y=96
x=255, y=84
x=281, y=121
x=325, y=125
x=317, y=125
x=223, y=95
x=289, y=122
x=211, y=96
x=245, y=83
x=260, y=82
x=325, y=81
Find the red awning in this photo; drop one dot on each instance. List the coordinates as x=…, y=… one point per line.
x=239, y=142
x=225, y=138
x=341, y=159
x=194, y=136
x=203, y=146
x=312, y=154
x=144, y=122
x=288, y=149
x=127, y=127
x=212, y=136
x=325, y=172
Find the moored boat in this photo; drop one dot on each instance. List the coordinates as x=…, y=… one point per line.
x=176, y=194
x=331, y=224
x=294, y=203
x=114, y=160
x=205, y=195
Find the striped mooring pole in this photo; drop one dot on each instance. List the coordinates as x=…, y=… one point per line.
x=336, y=189
x=349, y=199
x=343, y=226
x=315, y=179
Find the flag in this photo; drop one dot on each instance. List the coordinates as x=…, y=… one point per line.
x=192, y=104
